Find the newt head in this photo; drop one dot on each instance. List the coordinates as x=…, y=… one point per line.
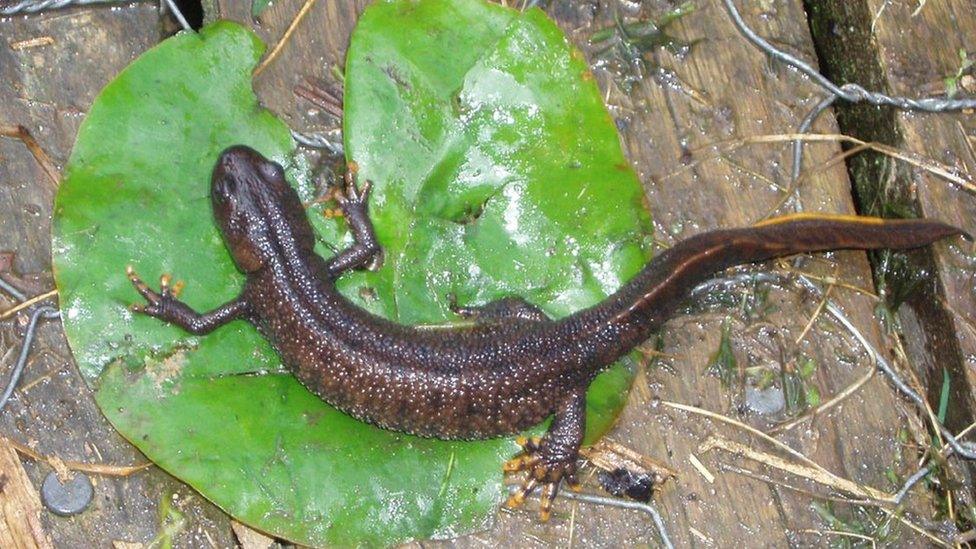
x=257, y=211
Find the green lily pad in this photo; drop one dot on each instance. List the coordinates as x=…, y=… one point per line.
x=497, y=171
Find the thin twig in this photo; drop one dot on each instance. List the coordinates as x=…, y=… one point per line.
x=654, y=353
x=877, y=15
x=793, y=190
x=284, y=38
x=966, y=431
x=95, y=468
x=865, y=502
x=832, y=281
x=572, y=525
x=838, y=498
x=839, y=533
x=725, y=419
x=815, y=474
x=43, y=160
x=963, y=449
x=814, y=316
x=320, y=97
x=937, y=168
x=21, y=306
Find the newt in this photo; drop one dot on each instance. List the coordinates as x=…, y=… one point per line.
x=511, y=366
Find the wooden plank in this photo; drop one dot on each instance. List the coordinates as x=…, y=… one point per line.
x=945, y=28
x=317, y=45
x=723, y=89
x=51, y=67
x=889, y=46
x=20, y=506
x=730, y=90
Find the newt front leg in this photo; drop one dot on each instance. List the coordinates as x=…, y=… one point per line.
x=365, y=253
x=164, y=306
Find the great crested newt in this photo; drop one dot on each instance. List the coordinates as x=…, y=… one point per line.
x=508, y=369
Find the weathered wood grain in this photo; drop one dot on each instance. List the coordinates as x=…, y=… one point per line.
x=51, y=67
x=20, y=506
x=317, y=45
x=726, y=89
x=888, y=46
x=941, y=331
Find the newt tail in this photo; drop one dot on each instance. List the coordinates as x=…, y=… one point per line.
x=513, y=367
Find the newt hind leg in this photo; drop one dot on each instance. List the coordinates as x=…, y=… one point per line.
x=549, y=460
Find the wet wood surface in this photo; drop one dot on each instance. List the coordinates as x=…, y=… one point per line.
x=875, y=44
x=20, y=506
x=947, y=29
x=670, y=116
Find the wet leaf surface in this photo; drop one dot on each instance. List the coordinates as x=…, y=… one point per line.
x=497, y=172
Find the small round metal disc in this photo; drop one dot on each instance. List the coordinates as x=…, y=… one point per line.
x=66, y=499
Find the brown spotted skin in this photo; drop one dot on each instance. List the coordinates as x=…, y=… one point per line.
x=510, y=370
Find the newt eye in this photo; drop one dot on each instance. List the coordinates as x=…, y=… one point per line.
x=224, y=189
x=273, y=170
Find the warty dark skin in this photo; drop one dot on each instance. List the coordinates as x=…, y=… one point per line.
x=508, y=370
